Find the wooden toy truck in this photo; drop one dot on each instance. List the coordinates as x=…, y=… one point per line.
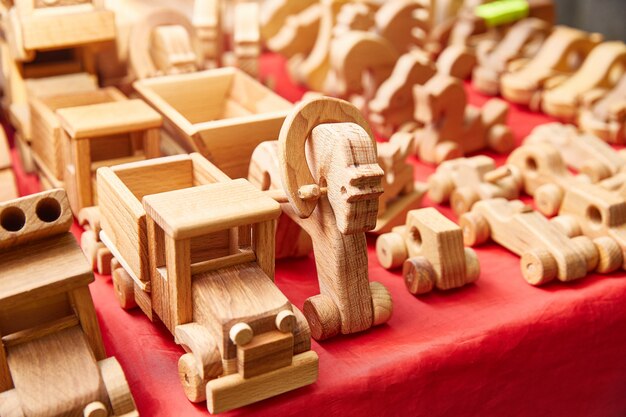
x=196, y=250
x=52, y=359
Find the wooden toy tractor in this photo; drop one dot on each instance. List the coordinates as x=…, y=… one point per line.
x=52, y=359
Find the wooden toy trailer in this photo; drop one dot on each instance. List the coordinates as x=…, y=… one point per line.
x=199, y=254
x=52, y=359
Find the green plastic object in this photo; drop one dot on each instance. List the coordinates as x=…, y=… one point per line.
x=501, y=12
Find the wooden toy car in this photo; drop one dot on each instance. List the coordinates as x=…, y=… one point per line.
x=199, y=254
x=52, y=359
x=603, y=67
x=604, y=113
x=584, y=153
x=223, y=114
x=464, y=181
x=430, y=248
x=452, y=128
x=522, y=41
x=8, y=187
x=546, y=252
x=559, y=57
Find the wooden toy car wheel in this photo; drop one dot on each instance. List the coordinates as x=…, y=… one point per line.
x=381, y=302
x=501, y=139
x=116, y=387
x=548, y=199
x=323, y=317
x=391, y=250
x=191, y=379
x=472, y=265
x=463, y=199
x=568, y=225
x=610, y=256
x=475, y=228
x=595, y=170
x=440, y=187
x=419, y=275
x=588, y=250
x=446, y=151
x=124, y=287
x=294, y=133
x=538, y=266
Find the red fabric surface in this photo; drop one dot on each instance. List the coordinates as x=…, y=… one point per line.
x=496, y=348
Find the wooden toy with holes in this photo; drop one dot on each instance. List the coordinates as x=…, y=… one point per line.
x=332, y=192
x=222, y=113
x=52, y=359
x=430, y=250
x=604, y=113
x=50, y=47
x=8, y=186
x=584, y=153
x=546, y=252
x=560, y=56
x=196, y=250
x=464, y=181
x=393, y=105
x=522, y=41
x=603, y=68
x=451, y=127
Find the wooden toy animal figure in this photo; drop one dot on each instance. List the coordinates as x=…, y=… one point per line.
x=430, y=248
x=393, y=104
x=604, y=113
x=332, y=181
x=452, y=128
x=52, y=359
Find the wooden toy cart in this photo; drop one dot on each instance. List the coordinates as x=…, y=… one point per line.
x=52, y=359
x=223, y=114
x=199, y=254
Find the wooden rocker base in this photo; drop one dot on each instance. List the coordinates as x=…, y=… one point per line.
x=233, y=391
x=396, y=212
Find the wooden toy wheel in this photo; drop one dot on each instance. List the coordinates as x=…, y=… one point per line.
x=609, y=254
x=463, y=199
x=419, y=275
x=501, y=139
x=538, y=266
x=595, y=170
x=191, y=379
x=446, y=151
x=89, y=245
x=301, y=334
x=548, y=199
x=440, y=187
x=567, y=224
x=124, y=287
x=472, y=265
x=475, y=228
x=116, y=387
x=382, y=303
x=323, y=317
x=391, y=250
x=294, y=133
x=588, y=250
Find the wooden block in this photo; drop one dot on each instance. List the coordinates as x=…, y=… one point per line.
x=546, y=252
x=234, y=391
x=265, y=353
x=603, y=68
x=434, y=248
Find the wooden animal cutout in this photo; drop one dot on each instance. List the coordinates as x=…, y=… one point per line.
x=332, y=183
x=604, y=113
x=464, y=181
x=603, y=68
x=522, y=41
x=559, y=57
x=247, y=37
x=207, y=23
x=275, y=14
x=452, y=128
x=430, y=249
x=404, y=23
x=8, y=187
x=584, y=153
x=393, y=104
x=298, y=34
x=600, y=215
x=546, y=252
x=52, y=360
x=164, y=43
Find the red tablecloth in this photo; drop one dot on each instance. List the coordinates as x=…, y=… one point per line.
x=496, y=348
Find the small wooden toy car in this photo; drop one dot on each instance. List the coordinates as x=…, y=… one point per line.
x=546, y=252
x=464, y=181
x=52, y=359
x=430, y=248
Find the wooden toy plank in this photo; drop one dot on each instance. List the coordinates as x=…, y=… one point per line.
x=265, y=353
